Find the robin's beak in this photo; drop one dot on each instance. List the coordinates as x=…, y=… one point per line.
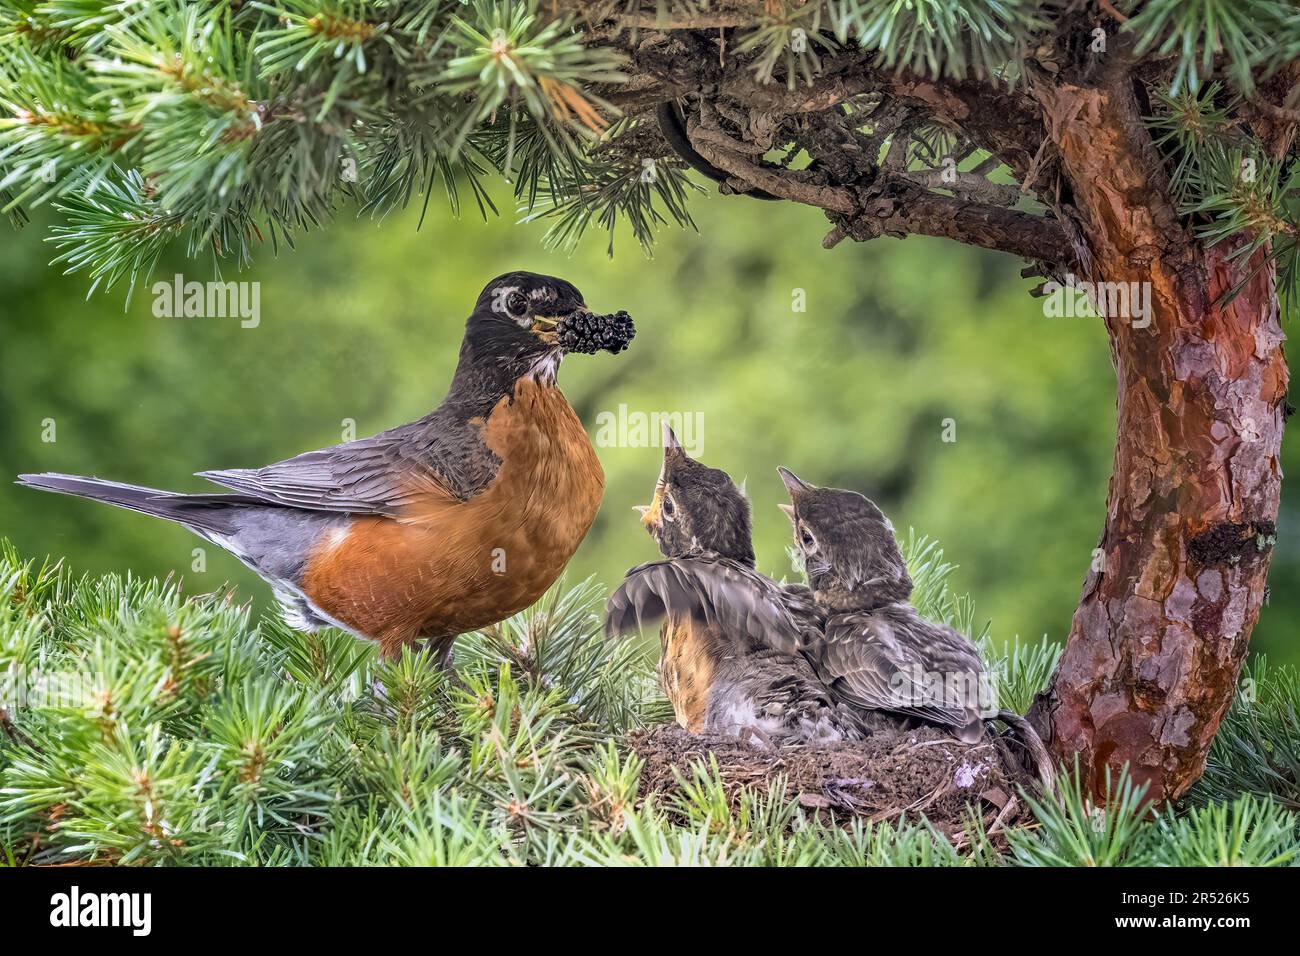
x=545, y=328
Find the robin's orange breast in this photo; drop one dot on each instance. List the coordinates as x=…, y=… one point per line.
x=450, y=566
x=686, y=670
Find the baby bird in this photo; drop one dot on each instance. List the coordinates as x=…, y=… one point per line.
x=877, y=652
x=731, y=637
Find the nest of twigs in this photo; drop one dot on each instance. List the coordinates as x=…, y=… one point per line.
x=911, y=773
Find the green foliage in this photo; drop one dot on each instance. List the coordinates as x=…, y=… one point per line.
x=983, y=38
x=234, y=125
x=1022, y=670
x=788, y=34
x=1196, y=32
x=1078, y=832
x=144, y=728
x=1224, y=181
x=1246, y=832
x=238, y=124
x=1074, y=831
x=931, y=594
x=1257, y=749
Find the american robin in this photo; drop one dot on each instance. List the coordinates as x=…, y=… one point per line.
x=730, y=636
x=878, y=653
x=433, y=528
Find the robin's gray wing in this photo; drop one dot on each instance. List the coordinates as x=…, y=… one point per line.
x=892, y=659
x=442, y=456
x=729, y=597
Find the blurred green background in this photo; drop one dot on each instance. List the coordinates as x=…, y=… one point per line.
x=362, y=322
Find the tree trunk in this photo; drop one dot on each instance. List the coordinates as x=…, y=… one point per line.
x=1157, y=642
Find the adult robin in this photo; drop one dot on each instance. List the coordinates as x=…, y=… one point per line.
x=877, y=653
x=730, y=635
x=434, y=528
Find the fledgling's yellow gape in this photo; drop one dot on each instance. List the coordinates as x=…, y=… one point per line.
x=730, y=637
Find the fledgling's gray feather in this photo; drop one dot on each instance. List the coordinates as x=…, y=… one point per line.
x=751, y=610
x=879, y=653
x=892, y=659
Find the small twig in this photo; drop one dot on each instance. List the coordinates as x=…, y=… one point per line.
x=1035, y=164
x=896, y=157
x=1110, y=10
x=718, y=138
x=966, y=185
x=11, y=728
x=1002, y=816
x=788, y=185
x=990, y=163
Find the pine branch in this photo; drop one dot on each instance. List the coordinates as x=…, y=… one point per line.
x=252, y=122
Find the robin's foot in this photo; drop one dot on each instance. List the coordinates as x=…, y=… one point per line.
x=445, y=659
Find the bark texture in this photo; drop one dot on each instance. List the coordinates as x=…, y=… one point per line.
x=1158, y=639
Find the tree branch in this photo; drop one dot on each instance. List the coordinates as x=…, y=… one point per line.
x=11, y=729
x=904, y=208
x=786, y=184
x=1005, y=123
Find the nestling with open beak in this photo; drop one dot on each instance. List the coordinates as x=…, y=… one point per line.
x=441, y=526
x=730, y=636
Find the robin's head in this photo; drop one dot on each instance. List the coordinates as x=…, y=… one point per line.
x=850, y=553
x=696, y=507
x=524, y=323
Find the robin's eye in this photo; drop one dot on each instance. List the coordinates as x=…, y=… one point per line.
x=516, y=304
x=807, y=540
x=669, y=508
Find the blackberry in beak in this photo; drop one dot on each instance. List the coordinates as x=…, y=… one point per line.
x=587, y=332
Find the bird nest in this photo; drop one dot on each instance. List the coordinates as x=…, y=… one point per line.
x=911, y=773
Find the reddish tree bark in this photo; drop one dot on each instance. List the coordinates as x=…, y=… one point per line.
x=1157, y=642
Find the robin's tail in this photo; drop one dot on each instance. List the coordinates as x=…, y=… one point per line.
x=1024, y=732
x=201, y=513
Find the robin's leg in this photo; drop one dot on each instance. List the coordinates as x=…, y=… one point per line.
x=442, y=646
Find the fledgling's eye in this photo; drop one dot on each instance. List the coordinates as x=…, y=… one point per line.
x=669, y=508
x=807, y=540
x=516, y=303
